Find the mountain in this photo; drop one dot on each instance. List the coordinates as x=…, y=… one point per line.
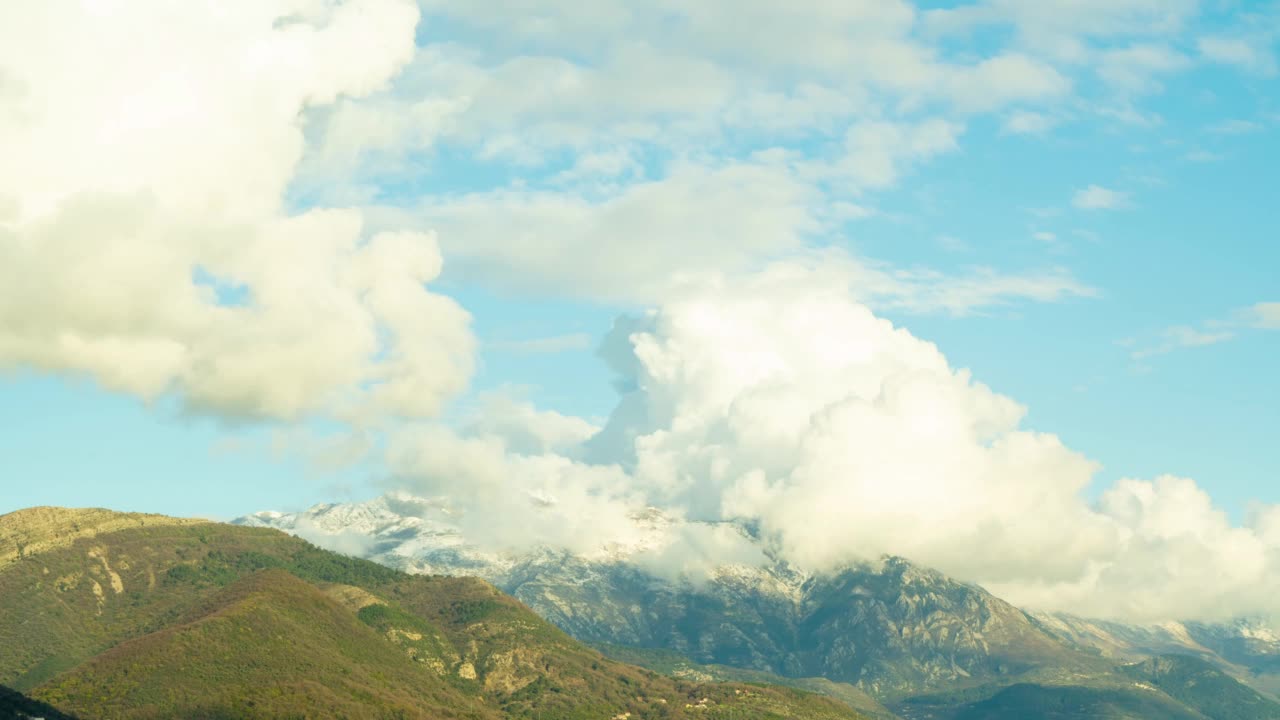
x=1025, y=700
x=1177, y=687
x=1199, y=684
x=320, y=654
x=890, y=629
x=889, y=632
x=143, y=617
x=1246, y=649
x=47, y=528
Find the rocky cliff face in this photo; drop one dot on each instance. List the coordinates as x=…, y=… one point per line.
x=889, y=628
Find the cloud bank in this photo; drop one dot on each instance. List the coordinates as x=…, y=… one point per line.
x=145, y=239
x=779, y=400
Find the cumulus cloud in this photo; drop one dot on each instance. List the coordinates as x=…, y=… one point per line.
x=505, y=499
x=783, y=400
x=779, y=401
x=1174, y=556
x=146, y=241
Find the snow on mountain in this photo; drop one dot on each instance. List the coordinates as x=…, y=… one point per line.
x=907, y=626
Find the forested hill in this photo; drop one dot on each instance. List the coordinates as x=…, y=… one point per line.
x=131, y=616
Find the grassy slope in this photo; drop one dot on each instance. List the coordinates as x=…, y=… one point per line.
x=268, y=625
x=152, y=618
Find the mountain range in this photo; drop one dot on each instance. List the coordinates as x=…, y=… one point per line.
x=921, y=643
x=117, y=615
x=113, y=615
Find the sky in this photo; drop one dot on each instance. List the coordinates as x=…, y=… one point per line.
x=989, y=284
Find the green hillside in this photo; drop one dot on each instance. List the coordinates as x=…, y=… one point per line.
x=16, y=706
x=269, y=624
x=152, y=619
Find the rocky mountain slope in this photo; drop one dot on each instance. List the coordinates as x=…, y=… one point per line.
x=1245, y=648
x=891, y=629
x=193, y=619
x=1169, y=687
x=1198, y=684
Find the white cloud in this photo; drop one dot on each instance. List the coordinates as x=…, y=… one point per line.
x=1053, y=18
x=1260, y=316
x=347, y=541
x=1024, y=122
x=630, y=245
x=929, y=291
x=777, y=398
x=875, y=154
x=666, y=75
x=1254, y=54
x=522, y=428
x=1096, y=197
x=650, y=238
x=1176, y=556
x=1005, y=79
x=133, y=182
x=1135, y=68
x=1265, y=315
x=505, y=499
x=1184, y=336
x=584, y=116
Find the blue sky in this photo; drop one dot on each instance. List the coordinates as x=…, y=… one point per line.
x=269, y=265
